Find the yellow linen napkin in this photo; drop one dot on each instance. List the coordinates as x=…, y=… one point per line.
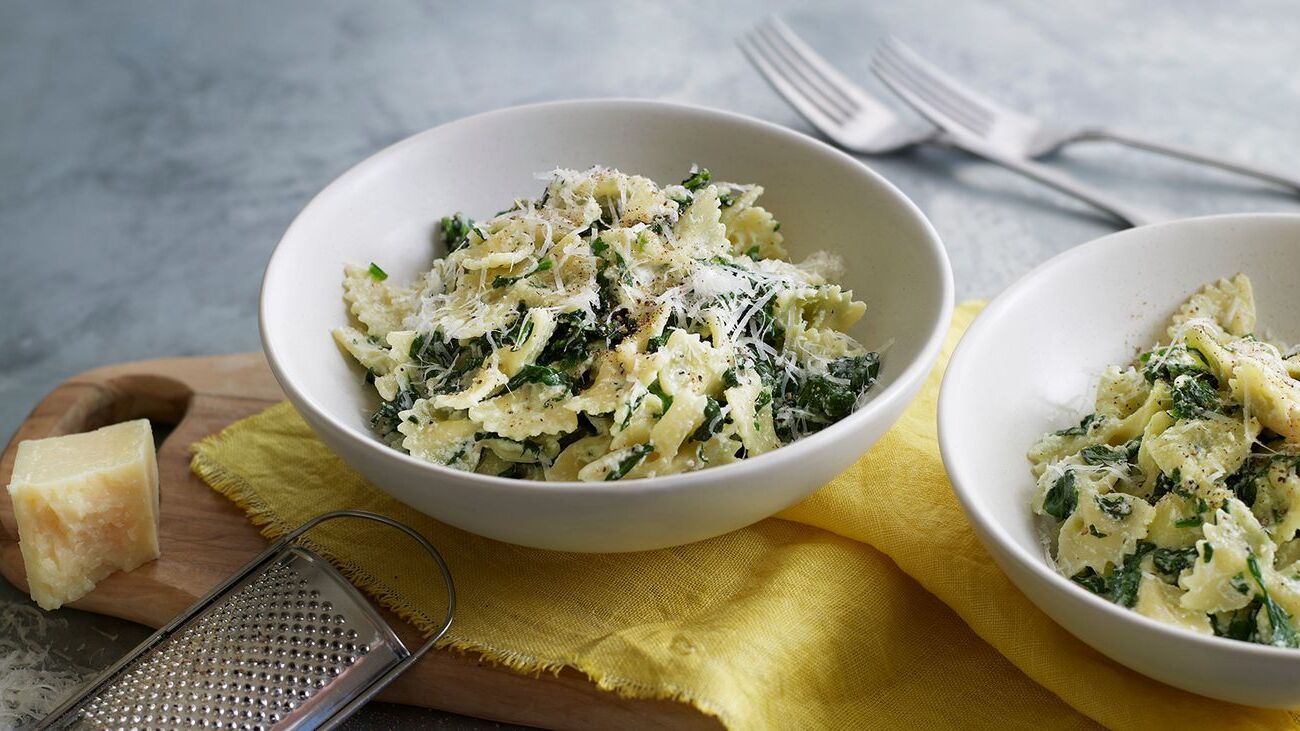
x=869, y=604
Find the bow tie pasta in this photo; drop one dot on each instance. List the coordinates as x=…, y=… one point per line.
x=611, y=329
x=1179, y=496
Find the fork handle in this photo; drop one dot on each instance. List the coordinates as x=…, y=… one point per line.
x=1186, y=153
x=1104, y=202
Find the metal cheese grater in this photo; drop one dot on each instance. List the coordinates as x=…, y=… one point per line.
x=285, y=643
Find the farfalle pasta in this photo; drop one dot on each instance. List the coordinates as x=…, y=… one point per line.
x=611, y=329
x=1179, y=496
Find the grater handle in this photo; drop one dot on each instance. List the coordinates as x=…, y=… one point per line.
x=379, y=683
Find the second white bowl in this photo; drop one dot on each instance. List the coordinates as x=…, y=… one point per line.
x=1030, y=363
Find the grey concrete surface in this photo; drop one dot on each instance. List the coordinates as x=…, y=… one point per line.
x=151, y=153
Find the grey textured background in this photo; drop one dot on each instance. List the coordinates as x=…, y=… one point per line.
x=152, y=153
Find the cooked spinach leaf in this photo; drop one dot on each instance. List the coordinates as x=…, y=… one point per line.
x=385, y=418
x=629, y=463
x=1169, y=363
x=1114, y=505
x=831, y=397
x=1102, y=454
x=665, y=400
x=455, y=231
x=1172, y=561
x=698, y=178
x=1083, y=428
x=1238, y=625
x=544, y=375
x=1194, y=396
x=1062, y=497
x=1284, y=633
x=1127, y=577
x=1092, y=581
x=712, y=421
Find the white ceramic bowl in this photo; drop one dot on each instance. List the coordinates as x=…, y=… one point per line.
x=385, y=210
x=1029, y=364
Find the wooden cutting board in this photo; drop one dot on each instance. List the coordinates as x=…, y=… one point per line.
x=205, y=538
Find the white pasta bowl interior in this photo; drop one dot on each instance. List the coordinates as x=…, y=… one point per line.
x=386, y=210
x=1030, y=364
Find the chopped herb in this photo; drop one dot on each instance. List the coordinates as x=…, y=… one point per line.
x=653, y=345
x=544, y=375
x=630, y=462
x=500, y=281
x=777, y=227
x=1102, y=454
x=1092, y=581
x=1166, y=484
x=1167, y=364
x=712, y=421
x=1092, y=530
x=1209, y=552
x=631, y=409
x=698, y=178
x=377, y=273
x=1062, y=497
x=831, y=397
x=728, y=199
x=575, y=337
x=1127, y=577
x=665, y=400
x=1284, y=633
x=518, y=334
x=640, y=241
x=1083, y=428
x=598, y=246
x=764, y=399
x=385, y=418
x=1241, y=623
x=1254, y=471
x=752, y=252
x=730, y=378
x=1114, y=505
x=455, y=231
x=1132, y=448
x=1191, y=522
x=1172, y=561
x=1238, y=582
x=1194, y=396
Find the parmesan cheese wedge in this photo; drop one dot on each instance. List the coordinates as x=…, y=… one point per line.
x=86, y=505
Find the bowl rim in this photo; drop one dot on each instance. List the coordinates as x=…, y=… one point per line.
x=954, y=463
x=902, y=387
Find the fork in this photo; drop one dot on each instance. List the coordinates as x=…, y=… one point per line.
x=1030, y=137
x=853, y=119
x=943, y=105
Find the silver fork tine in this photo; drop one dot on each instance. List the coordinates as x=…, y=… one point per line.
x=793, y=47
x=957, y=119
x=811, y=83
x=792, y=94
x=979, y=110
x=899, y=74
x=1025, y=135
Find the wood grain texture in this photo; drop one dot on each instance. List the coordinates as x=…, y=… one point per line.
x=205, y=538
